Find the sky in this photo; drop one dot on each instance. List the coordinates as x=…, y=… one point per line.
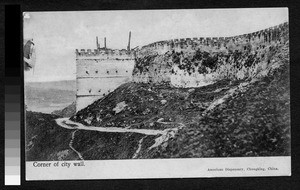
x=57, y=34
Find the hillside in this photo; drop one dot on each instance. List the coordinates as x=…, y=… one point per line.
x=68, y=111
x=45, y=140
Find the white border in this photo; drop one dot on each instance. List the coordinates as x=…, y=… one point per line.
x=162, y=168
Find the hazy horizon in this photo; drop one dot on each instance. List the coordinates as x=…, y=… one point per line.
x=45, y=81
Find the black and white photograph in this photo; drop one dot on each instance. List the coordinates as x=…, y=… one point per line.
x=154, y=88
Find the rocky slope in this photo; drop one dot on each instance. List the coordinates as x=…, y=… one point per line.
x=252, y=122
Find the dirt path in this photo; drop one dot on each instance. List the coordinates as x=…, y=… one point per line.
x=71, y=145
x=164, y=135
x=139, y=148
x=68, y=124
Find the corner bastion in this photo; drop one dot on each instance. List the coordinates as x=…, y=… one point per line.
x=99, y=72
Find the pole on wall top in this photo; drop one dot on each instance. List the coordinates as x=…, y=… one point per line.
x=97, y=43
x=128, y=47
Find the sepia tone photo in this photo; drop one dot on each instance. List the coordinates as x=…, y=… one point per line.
x=156, y=84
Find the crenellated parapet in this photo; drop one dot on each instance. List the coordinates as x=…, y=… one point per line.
x=268, y=35
x=104, y=54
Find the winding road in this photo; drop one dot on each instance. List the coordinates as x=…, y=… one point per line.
x=164, y=135
x=68, y=124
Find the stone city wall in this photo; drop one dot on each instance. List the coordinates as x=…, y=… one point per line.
x=194, y=62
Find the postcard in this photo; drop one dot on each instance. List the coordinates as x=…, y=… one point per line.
x=157, y=93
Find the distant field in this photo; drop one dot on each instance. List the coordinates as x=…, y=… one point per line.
x=49, y=96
